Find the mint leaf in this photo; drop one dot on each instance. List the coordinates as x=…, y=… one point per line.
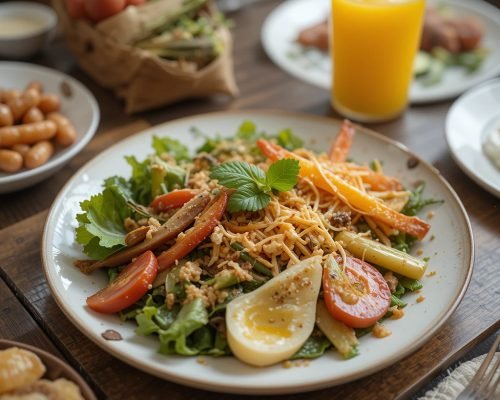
x=251, y=183
x=248, y=198
x=235, y=174
x=288, y=140
x=282, y=175
x=171, y=146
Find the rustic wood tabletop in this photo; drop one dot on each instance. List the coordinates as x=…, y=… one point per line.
x=29, y=314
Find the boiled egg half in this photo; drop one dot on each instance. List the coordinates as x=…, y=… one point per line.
x=272, y=323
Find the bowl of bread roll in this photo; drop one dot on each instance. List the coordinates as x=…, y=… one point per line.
x=27, y=373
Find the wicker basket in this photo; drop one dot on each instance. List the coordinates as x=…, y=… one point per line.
x=142, y=79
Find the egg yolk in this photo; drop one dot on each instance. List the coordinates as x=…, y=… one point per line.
x=268, y=325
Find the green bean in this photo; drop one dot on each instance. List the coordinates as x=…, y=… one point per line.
x=257, y=266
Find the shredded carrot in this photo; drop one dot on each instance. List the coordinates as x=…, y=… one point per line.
x=342, y=144
x=363, y=202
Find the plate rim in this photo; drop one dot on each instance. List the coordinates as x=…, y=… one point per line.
x=234, y=388
x=479, y=7
x=74, y=149
x=486, y=185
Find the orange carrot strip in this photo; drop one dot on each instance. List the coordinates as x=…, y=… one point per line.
x=342, y=143
x=381, y=183
x=377, y=181
x=328, y=181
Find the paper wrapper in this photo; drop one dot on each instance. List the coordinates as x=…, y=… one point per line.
x=143, y=80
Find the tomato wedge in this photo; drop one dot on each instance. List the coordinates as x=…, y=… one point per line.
x=129, y=287
x=175, y=199
x=203, y=227
x=359, y=296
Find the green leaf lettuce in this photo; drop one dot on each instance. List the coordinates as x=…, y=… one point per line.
x=100, y=228
x=191, y=317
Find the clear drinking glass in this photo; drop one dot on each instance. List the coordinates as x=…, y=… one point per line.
x=374, y=43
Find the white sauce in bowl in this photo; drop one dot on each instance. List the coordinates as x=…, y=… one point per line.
x=12, y=26
x=491, y=147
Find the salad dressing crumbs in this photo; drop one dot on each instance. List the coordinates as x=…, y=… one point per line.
x=431, y=273
x=201, y=360
x=380, y=331
x=297, y=363
x=301, y=363
x=420, y=299
x=170, y=300
x=397, y=313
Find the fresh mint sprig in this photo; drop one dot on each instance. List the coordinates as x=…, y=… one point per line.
x=253, y=186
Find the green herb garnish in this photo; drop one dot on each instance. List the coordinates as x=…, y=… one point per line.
x=253, y=186
x=416, y=201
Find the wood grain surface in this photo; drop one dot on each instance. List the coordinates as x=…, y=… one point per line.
x=28, y=312
x=475, y=318
x=17, y=324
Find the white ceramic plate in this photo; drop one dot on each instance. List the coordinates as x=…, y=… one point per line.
x=81, y=108
x=451, y=254
x=283, y=25
x=469, y=122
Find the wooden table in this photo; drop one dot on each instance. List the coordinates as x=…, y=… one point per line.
x=29, y=314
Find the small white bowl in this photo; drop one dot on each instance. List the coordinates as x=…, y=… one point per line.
x=29, y=40
x=80, y=108
x=470, y=120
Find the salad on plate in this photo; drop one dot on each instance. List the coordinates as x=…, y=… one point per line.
x=254, y=246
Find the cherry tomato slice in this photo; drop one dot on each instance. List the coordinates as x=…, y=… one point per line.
x=360, y=297
x=175, y=199
x=129, y=287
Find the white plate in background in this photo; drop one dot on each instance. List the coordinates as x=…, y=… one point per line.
x=451, y=254
x=469, y=122
x=284, y=23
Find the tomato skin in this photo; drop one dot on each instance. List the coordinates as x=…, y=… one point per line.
x=76, y=9
x=371, y=305
x=171, y=200
x=129, y=287
x=97, y=10
x=203, y=227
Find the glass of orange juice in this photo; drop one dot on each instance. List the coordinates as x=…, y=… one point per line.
x=374, y=43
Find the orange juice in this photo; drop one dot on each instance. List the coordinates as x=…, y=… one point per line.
x=373, y=47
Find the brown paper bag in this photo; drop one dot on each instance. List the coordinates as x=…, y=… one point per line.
x=142, y=79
